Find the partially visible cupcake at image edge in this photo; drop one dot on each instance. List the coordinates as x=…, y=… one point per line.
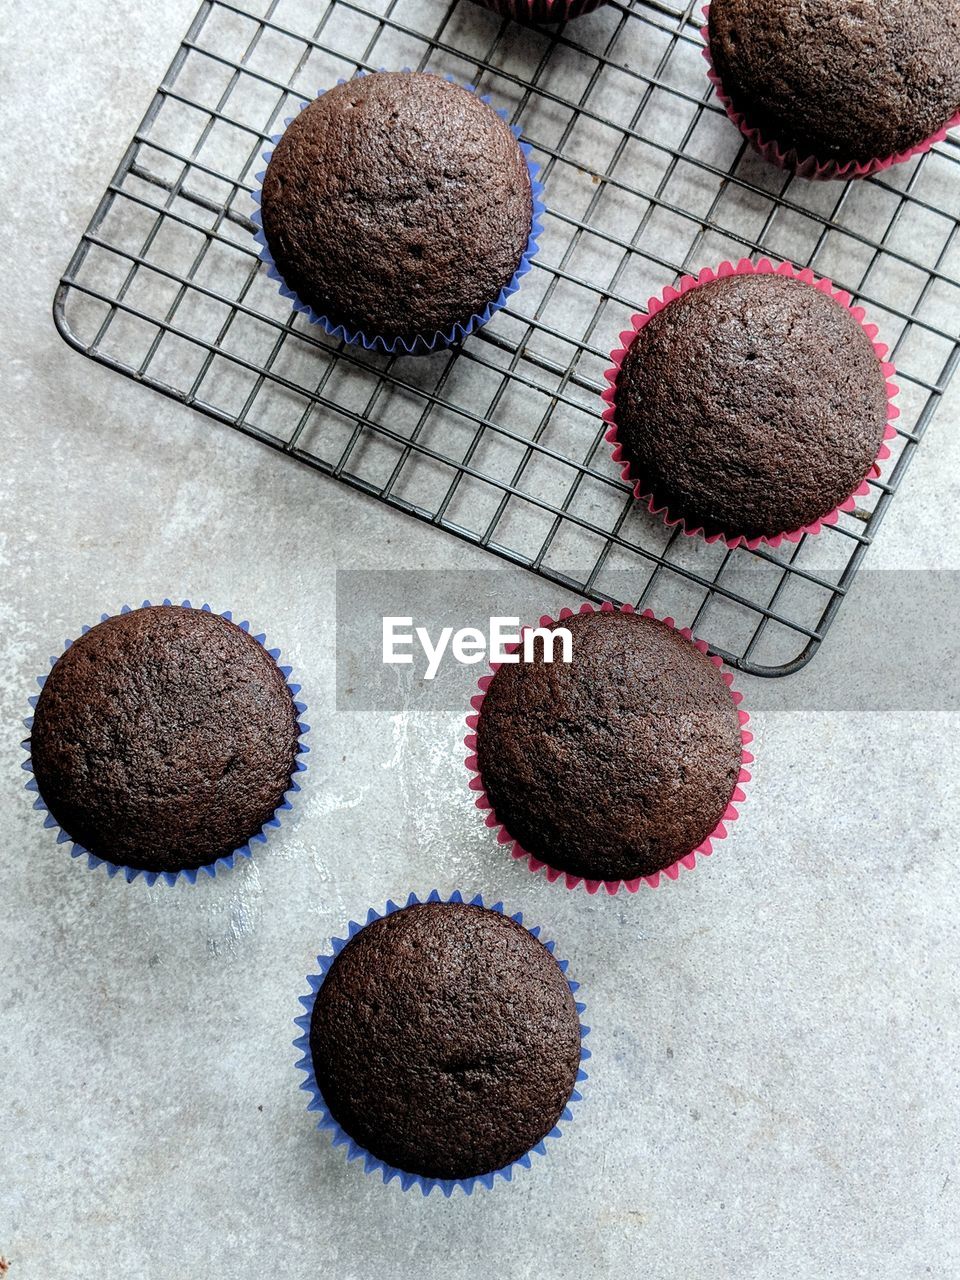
x=541, y=11
x=442, y=1043
x=623, y=763
x=164, y=739
x=837, y=88
x=751, y=404
x=399, y=210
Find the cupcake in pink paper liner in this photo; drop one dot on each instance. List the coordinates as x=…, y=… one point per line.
x=751, y=404
x=541, y=11
x=836, y=88
x=615, y=760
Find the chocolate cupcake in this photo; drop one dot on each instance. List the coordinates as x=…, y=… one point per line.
x=616, y=765
x=749, y=406
x=163, y=740
x=444, y=1041
x=541, y=11
x=838, y=86
x=399, y=209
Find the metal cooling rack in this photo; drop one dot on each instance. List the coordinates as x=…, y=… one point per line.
x=501, y=442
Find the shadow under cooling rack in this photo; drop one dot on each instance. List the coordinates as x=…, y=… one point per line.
x=500, y=441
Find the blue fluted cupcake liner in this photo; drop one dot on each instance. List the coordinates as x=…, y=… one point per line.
x=189, y=874
x=420, y=345
x=371, y=1163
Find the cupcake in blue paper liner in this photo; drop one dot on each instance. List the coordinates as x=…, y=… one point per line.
x=398, y=210
x=541, y=11
x=164, y=741
x=442, y=1043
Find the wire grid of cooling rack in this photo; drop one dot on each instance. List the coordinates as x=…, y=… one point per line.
x=500, y=441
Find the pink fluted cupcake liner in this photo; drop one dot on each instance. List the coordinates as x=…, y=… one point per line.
x=744, y=267
x=809, y=166
x=535, y=864
x=541, y=10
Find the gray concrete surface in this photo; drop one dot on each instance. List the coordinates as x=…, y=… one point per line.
x=776, y=1037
